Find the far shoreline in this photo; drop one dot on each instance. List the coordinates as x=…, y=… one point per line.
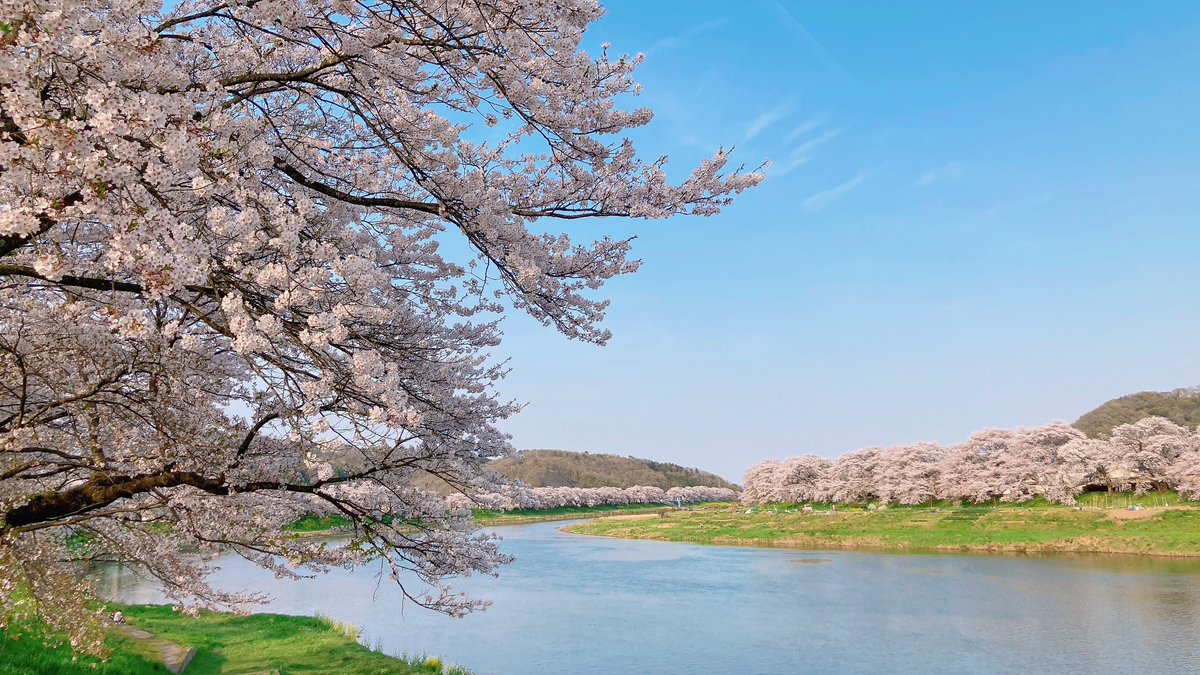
x=1163, y=532
x=314, y=526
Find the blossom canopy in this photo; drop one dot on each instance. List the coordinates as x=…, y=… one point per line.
x=222, y=236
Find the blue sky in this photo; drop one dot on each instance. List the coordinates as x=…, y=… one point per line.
x=978, y=214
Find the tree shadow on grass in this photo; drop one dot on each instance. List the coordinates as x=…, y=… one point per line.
x=207, y=660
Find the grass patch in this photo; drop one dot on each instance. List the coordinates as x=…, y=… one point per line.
x=1090, y=500
x=224, y=643
x=310, y=524
x=1008, y=528
x=321, y=524
x=486, y=517
x=228, y=643
x=23, y=651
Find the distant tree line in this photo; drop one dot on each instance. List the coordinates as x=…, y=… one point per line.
x=517, y=496
x=1181, y=406
x=561, y=468
x=1056, y=462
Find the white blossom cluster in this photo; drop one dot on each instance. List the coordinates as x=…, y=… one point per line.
x=234, y=233
x=514, y=497
x=1056, y=462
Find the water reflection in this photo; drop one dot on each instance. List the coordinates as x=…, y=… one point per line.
x=574, y=604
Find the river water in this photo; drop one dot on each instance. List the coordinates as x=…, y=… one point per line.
x=574, y=604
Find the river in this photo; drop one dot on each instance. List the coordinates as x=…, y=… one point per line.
x=579, y=605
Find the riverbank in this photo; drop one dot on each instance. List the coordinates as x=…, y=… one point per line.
x=260, y=642
x=332, y=524
x=525, y=516
x=1151, y=530
x=223, y=643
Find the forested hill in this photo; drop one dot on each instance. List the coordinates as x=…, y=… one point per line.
x=1181, y=406
x=560, y=468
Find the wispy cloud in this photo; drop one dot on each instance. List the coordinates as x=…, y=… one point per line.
x=806, y=126
x=808, y=146
x=673, y=41
x=810, y=43
x=947, y=171
x=787, y=166
x=822, y=199
x=766, y=119
x=801, y=154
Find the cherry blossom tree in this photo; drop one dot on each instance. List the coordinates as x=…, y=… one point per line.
x=801, y=475
x=1085, y=464
x=1184, y=473
x=852, y=477
x=911, y=474
x=1013, y=466
x=1143, y=452
x=691, y=494
x=238, y=236
x=1037, y=466
x=1055, y=461
x=517, y=496
x=763, y=483
x=973, y=469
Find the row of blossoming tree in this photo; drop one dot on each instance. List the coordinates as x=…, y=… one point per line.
x=1055, y=461
x=511, y=497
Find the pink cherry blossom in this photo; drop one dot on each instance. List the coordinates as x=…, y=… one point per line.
x=1055, y=462
x=223, y=247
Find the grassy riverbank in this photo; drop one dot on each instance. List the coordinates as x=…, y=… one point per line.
x=22, y=653
x=224, y=643
x=227, y=643
x=1153, y=530
x=331, y=524
x=563, y=513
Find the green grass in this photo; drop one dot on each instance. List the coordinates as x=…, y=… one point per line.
x=1032, y=527
x=23, y=652
x=1091, y=500
x=485, y=517
x=224, y=643
x=228, y=643
x=321, y=524
x=1116, y=500
x=310, y=524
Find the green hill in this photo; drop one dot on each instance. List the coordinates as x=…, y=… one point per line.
x=1181, y=406
x=555, y=468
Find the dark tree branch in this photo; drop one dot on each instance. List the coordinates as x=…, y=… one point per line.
x=428, y=207
x=12, y=242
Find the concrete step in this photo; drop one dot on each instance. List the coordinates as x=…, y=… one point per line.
x=175, y=657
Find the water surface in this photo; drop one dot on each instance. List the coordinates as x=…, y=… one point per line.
x=575, y=604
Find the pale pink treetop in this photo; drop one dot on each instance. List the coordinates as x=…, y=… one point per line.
x=517, y=496
x=1054, y=461
x=1142, y=453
